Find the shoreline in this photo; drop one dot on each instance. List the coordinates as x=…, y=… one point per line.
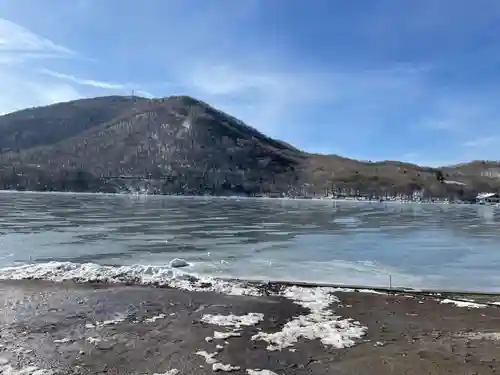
x=184, y=196
x=71, y=328
x=387, y=290
x=166, y=275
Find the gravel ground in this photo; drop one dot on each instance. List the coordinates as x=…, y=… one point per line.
x=88, y=329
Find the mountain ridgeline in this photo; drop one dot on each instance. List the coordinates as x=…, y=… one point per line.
x=180, y=145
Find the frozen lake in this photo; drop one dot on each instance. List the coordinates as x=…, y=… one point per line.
x=419, y=245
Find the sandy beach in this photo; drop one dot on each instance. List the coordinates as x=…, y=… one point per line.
x=68, y=328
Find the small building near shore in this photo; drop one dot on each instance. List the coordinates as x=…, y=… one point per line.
x=484, y=198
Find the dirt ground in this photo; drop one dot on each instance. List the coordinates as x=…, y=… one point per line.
x=46, y=326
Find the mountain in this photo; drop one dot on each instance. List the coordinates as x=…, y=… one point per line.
x=185, y=146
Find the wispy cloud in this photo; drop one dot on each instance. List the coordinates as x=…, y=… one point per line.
x=483, y=142
x=259, y=95
x=85, y=82
x=460, y=112
x=18, y=43
x=275, y=97
x=26, y=77
x=20, y=51
x=118, y=87
x=22, y=91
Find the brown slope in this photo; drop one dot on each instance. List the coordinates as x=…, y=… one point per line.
x=204, y=150
x=393, y=177
x=46, y=125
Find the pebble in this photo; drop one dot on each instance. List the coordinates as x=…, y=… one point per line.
x=178, y=263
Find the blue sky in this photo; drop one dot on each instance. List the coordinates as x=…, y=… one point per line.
x=417, y=81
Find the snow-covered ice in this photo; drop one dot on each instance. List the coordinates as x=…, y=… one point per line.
x=155, y=318
x=94, y=340
x=320, y=323
x=231, y=320
x=169, y=372
x=136, y=274
x=472, y=305
x=222, y=367
x=225, y=335
x=209, y=357
x=29, y=370
x=62, y=341
x=483, y=335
